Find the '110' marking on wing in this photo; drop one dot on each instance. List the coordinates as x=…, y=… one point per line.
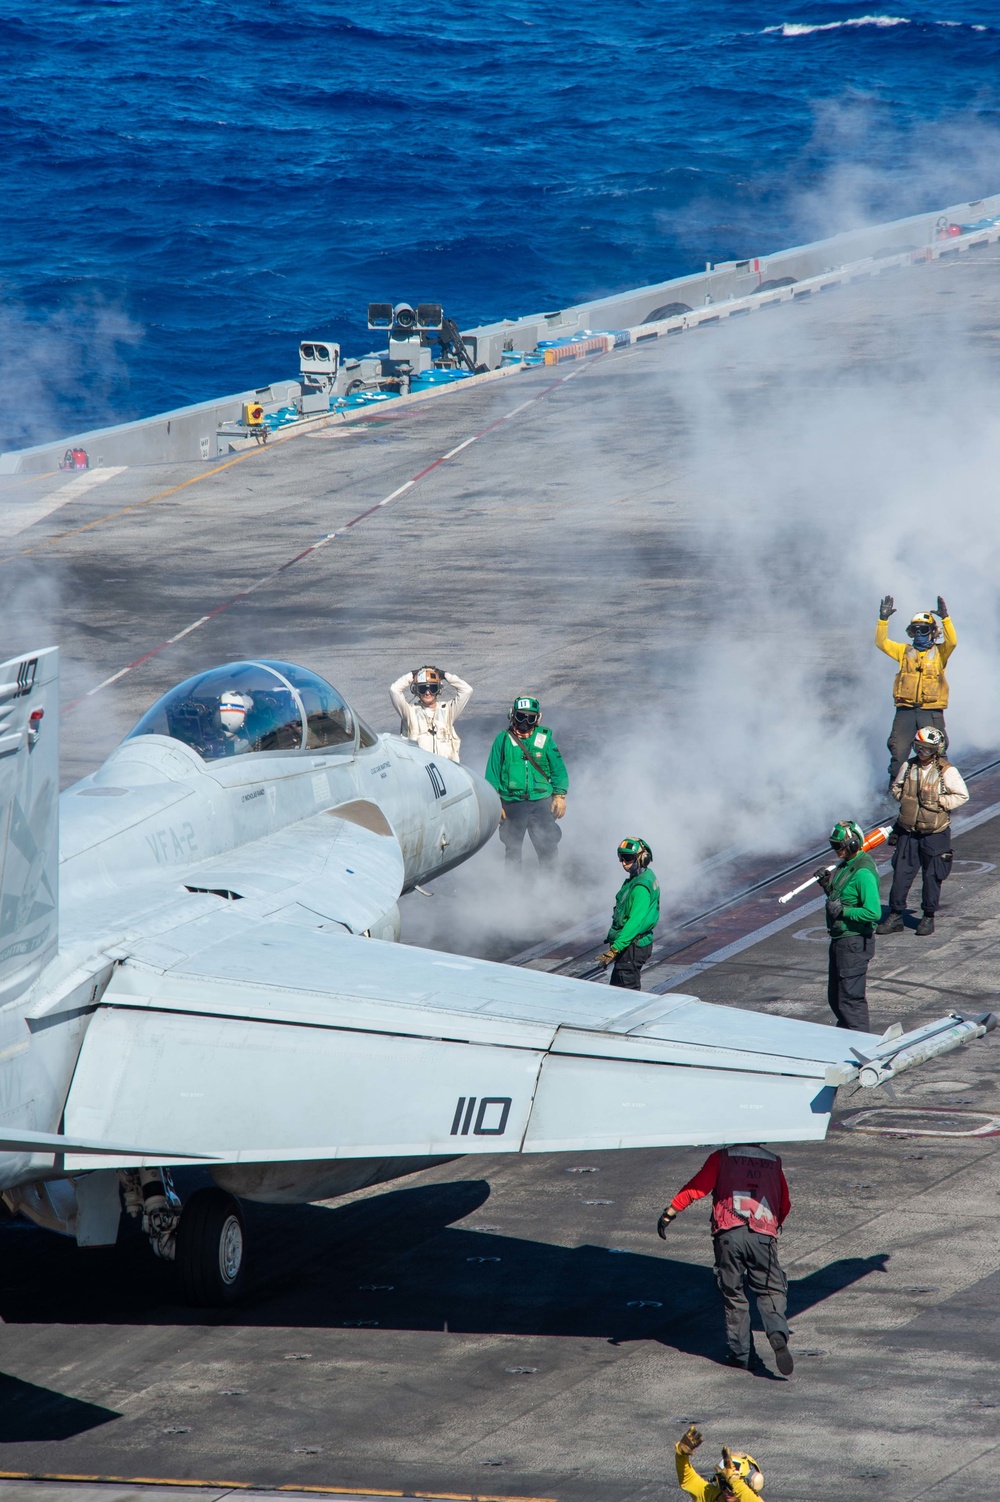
x=490, y=1119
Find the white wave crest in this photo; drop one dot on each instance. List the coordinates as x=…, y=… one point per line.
x=797, y=29
x=801, y=29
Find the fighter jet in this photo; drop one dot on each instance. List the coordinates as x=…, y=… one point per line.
x=197, y=968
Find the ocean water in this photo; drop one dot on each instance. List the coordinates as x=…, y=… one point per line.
x=190, y=189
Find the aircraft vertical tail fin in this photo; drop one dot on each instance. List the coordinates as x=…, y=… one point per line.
x=29, y=818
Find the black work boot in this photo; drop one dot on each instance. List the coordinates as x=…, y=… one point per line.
x=925, y=926
x=741, y=1363
x=892, y=923
x=782, y=1355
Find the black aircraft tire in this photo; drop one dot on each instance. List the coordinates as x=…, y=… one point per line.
x=211, y=1249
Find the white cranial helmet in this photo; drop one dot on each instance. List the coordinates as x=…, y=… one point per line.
x=233, y=707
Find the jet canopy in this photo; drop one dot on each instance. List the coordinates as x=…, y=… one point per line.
x=245, y=707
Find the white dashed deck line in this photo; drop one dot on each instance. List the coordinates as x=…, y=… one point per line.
x=17, y=516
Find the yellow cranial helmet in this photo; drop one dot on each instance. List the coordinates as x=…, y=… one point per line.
x=746, y=1468
x=922, y=621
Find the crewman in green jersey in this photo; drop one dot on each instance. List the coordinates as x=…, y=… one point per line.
x=530, y=775
x=853, y=908
x=637, y=911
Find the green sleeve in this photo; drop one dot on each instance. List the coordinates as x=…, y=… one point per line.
x=558, y=775
x=864, y=889
x=640, y=902
x=494, y=767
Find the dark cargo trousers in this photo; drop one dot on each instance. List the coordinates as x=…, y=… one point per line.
x=745, y=1257
x=532, y=817
x=850, y=956
x=904, y=727
x=930, y=853
x=628, y=965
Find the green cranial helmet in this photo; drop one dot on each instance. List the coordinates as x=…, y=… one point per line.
x=847, y=838
x=525, y=711
x=630, y=850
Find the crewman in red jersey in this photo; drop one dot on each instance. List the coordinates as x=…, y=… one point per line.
x=750, y=1201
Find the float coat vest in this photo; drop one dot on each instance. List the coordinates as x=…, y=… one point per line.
x=623, y=907
x=525, y=771
x=920, y=810
x=920, y=682
x=747, y=1191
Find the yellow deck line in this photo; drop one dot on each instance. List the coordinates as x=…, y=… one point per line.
x=288, y=1486
x=44, y=474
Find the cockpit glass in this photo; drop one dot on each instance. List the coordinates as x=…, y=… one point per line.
x=329, y=721
x=251, y=706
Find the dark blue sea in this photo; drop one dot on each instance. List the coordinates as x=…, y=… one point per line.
x=189, y=189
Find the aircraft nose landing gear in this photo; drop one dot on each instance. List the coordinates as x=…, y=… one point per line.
x=149, y=1193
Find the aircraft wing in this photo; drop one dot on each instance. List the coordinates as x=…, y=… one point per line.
x=260, y=1041
x=16, y=1140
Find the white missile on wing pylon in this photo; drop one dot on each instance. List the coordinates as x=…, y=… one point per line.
x=877, y=837
x=899, y=1054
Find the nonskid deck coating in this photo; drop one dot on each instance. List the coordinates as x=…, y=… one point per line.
x=382, y=1343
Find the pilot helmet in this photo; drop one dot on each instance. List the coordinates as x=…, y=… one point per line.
x=233, y=708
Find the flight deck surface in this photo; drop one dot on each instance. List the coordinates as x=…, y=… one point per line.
x=518, y=1330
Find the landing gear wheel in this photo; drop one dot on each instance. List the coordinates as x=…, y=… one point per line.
x=211, y=1249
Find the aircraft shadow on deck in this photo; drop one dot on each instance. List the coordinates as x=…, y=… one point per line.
x=29, y=1413
x=312, y=1266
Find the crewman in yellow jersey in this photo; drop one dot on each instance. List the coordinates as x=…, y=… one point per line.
x=737, y=1479
x=920, y=689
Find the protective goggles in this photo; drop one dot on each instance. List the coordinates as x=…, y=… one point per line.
x=428, y=688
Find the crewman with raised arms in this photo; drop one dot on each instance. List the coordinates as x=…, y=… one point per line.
x=424, y=717
x=739, y=1476
x=920, y=688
